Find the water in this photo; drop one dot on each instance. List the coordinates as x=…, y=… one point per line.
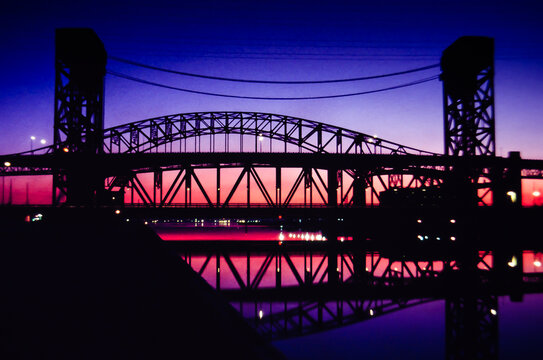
x=412, y=333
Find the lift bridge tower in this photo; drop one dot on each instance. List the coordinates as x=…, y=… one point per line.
x=80, y=65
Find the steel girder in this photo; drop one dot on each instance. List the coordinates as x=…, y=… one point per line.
x=254, y=132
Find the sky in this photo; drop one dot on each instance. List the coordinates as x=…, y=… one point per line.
x=278, y=40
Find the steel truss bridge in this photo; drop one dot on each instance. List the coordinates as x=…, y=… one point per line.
x=332, y=166
x=422, y=225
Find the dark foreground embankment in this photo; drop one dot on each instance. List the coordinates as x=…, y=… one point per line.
x=82, y=285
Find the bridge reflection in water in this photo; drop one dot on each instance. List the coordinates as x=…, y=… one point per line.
x=287, y=283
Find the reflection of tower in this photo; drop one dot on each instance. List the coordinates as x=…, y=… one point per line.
x=468, y=99
x=471, y=327
x=79, y=91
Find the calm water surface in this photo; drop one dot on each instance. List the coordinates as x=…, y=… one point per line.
x=413, y=333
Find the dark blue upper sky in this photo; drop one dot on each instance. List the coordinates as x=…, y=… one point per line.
x=290, y=40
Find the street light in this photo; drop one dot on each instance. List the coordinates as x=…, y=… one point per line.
x=260, y=139
x=42, y=141
x=32, y=138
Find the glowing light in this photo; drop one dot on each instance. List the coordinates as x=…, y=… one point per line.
x=419, y=221
x=65, y=149
x=453, y=221
x=37, y=217
x=117, y=211
x=32, y=138
x=536, y=193
x=537, y=263
x=280, y=243
x=218, y=270
x=127, y=220
x=281, y=236
x=513, y=263
x=453, y=238
x=146, y=223
x=493, y=312
x=260, y=314
x=512, y=195
x=372, y=312
x=420, y=237
x=43, y=141
x=7, y=164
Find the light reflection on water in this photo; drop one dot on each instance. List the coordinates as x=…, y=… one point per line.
x=231, y=231
x=419, y=331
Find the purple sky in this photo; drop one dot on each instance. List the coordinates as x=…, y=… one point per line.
x=279, y=40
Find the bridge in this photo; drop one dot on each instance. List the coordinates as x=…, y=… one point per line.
x=403, y=226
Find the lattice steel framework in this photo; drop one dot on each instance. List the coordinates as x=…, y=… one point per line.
x=471, y=327
x=254, y=132
x=79, y=101
x=468, y=97
x=281, y=288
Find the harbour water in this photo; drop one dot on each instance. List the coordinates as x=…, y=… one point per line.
x=412, y=333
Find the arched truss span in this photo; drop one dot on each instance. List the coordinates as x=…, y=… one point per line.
x=243, y=132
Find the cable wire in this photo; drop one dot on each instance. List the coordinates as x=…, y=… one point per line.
x=151, y=67
x=142, y=81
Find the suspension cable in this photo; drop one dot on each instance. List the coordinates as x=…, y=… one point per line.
x=142, y=81
x=151, y=67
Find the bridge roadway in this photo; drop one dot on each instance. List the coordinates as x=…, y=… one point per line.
x=113, y=164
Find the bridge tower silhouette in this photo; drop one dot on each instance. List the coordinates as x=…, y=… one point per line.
x=80, y=66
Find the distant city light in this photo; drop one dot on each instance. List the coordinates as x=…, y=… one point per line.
x=419, y=221
x=372, y=312
x=117, y=211
x=453, y=221
x=513, y=263
x=536, y=193
x=260, y=314
x=7, y=164
x=493, y=312
x=537, y=263
x=512, y=195
x=65, y=149
x=453, y=238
